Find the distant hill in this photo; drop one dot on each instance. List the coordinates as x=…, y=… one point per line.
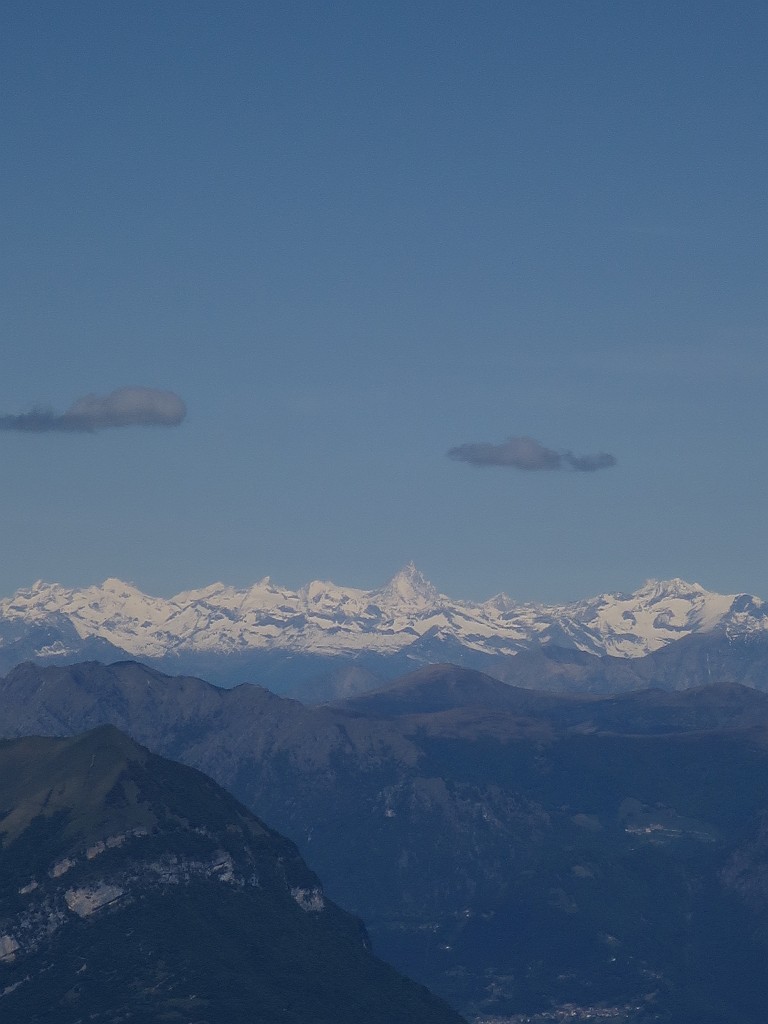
x=134, y=888
x=638, y=712
x=562, y=850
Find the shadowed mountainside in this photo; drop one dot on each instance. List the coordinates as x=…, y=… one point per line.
x=513, y=849
x=132, y=887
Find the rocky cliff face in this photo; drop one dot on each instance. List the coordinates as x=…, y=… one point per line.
x=135, y=888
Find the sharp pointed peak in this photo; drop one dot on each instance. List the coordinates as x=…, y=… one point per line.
x=410, y=571
x=410, y=585
x=410, y=575
x=501, y=602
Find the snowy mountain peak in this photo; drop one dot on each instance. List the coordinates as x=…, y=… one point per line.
x=674, y=589
x=327, y=619
x=201, y=593
x=500, y=603
x=409, y=588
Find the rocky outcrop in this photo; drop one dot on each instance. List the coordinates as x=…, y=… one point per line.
x=133, y=888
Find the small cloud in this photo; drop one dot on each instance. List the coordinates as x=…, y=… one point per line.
x=589, y=463
x=518, y=452
x=529, y=454
x=126, y=407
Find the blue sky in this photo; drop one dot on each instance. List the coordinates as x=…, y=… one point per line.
x=355, y=235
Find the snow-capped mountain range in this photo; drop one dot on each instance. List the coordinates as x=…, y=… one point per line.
x=328, y=620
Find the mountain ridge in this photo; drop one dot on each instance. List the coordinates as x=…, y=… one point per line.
x=407, y=616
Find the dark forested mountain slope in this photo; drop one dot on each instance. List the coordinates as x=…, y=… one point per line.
x=134, y=888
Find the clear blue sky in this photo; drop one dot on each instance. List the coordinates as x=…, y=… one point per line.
x=355, y=235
